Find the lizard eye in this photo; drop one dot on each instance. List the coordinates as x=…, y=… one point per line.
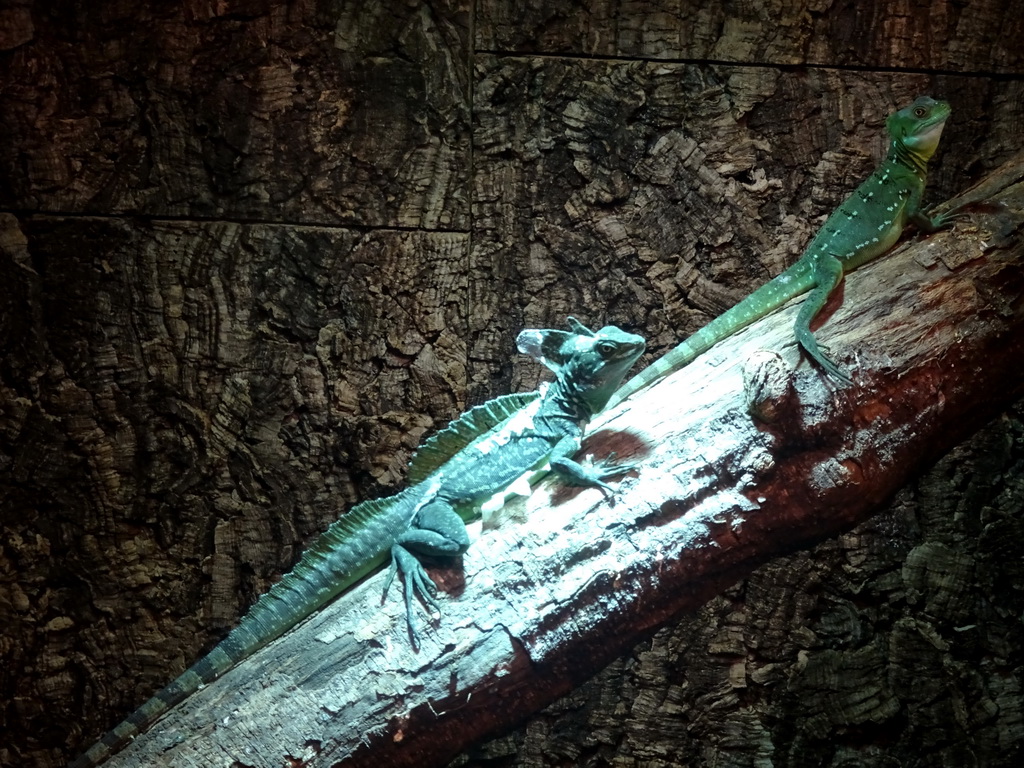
x=606, y=349
x=920, y=112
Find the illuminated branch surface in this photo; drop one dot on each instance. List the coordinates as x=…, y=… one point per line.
x=933, y=335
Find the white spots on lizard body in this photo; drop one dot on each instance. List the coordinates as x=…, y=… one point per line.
x=864, y=244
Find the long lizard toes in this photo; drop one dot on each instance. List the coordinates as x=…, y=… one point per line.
x=833, y=370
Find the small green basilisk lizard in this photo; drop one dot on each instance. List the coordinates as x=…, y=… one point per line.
x=480, y=456
x=863, y=228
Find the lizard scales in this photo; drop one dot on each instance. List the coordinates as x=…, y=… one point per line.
x=865, y=226
x=477, y=457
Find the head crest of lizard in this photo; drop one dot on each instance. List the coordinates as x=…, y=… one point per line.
x=590, y=365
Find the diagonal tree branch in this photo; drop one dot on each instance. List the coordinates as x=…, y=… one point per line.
x=933, y=335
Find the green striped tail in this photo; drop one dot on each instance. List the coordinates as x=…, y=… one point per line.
x=770, y=296
x=352, y=547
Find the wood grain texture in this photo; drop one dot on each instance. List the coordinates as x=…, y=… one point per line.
x=541, y=605
x=252, y=251
x=180, y=401
x=910, y=34
x=301, y=112
x=818, y=658
x=663, y=193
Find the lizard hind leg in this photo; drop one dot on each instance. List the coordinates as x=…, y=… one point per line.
x=438, y=531
x=828, y=272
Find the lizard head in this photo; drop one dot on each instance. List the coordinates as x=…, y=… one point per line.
x=919, y=126
x=588, y=365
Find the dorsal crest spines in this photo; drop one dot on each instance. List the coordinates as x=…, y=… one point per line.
x=461, y=432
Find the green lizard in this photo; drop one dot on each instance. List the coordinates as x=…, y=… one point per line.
x=865, y=226
x=481, y=455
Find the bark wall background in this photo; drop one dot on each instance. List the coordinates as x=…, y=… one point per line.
x=254, y=250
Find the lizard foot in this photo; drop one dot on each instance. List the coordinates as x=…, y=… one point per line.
x=820, y=354
x=607, y=467
x=416, y=583
x=578, y=473
x=833, y=370
x=589, y=473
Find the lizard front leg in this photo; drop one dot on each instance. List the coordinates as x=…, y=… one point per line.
x=577, y=473
x=924, y=222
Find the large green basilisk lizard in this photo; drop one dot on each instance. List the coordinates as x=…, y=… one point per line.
x=864, y=227
x=479, y=457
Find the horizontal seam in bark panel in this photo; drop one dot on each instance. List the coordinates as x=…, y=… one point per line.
x=221, y=220
x=986, y=74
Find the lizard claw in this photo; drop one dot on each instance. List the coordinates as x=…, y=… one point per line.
x=943, y=220
x=833, y=370
x=819, y=354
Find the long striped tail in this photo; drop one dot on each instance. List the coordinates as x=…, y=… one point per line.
x=352, y=547
x=770, y=296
